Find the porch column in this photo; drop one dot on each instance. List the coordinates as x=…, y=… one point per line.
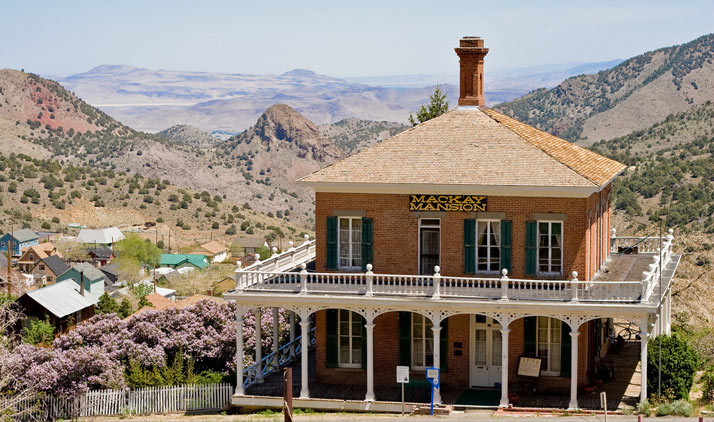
x=292, y=334
x=644, y=336
x=259, y=345
x=504, y=366
x=239, y=353
x=305, y=345
x=574, y=333
x=276, y=339
x=436, y=328
x=369, y=326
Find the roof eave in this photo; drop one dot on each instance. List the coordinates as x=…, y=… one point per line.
x=418, y=188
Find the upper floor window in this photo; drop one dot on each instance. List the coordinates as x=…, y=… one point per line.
x=422, y=342
x=488, y=250
x=350, y=242
x=42, y=267
x=550, y=247
x=548, y=340
x=349, y=332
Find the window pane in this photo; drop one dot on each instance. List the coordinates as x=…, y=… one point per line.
x=496, y=345
x=345, y=356
x=556, y=228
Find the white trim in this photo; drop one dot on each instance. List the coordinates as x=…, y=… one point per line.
x=493, y=190
x=426, y=335
x=550, y=344
x=550, y=247
x=351, y=316
x=350, y=242
x=428, y=226
x=488, y=256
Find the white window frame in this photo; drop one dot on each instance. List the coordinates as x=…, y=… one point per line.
x=550, y=247
x=427, y=226
x=351, y=316
x=351, y=245
x=488, y=245
x=426, y=336
x=549, y=360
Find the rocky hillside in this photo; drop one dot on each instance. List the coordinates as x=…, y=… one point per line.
x=45, y=195
x=352, y=135
x=188, y=135
x=631, y=96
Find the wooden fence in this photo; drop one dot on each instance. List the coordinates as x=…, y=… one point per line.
x=198, y=397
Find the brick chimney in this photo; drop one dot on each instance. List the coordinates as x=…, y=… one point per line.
x=471, y=53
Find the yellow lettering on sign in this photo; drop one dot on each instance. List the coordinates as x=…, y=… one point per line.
x=447, y=203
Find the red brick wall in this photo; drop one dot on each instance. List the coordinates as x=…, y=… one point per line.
x=396, y=230
x=386, y=352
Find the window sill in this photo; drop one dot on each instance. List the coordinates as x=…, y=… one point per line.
x=549, y=276
x=340, y=369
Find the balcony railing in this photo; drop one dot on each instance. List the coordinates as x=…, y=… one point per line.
x=289, y=259
x=437, y=286
x=287, y=354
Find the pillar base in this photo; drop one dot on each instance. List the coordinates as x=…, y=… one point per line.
x=503, y=404
x=304, y=394
x=573, y=406
x=369, y=397
x=240, y=391
x=437, y=397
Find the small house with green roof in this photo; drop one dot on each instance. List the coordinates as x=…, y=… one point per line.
x=93, y=277
x=177, y=260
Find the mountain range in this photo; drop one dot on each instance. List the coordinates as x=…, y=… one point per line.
x=152, y=100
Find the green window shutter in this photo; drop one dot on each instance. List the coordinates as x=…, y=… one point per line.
x=531, y=247
x=367, y=249
x=444, y=346
x=529, y=336
x=331, y=243
x=506, y=236
x=565, y=346
x=469, y=246
x=332, y=343
x=405, y=338
x=364, y=343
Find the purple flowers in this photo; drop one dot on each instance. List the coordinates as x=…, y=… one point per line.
x=96, y=353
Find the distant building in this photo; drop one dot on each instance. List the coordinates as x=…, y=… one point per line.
x=20, y=239
x=177, y=261
x=93, y=278
x=32, y=254
x=100, y=255
x=48, y=269
x=250, y=244
x=215, y=251
x=103, y=237
x=63, y=304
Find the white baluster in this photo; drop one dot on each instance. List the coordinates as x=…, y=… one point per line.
x=303, y=279
x=504, y=284
x=574, y=287
x=437, y=284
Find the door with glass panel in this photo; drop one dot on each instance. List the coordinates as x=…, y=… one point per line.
x=485, y=352
x=429, y=245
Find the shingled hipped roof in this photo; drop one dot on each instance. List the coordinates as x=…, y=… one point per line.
x=473, y=147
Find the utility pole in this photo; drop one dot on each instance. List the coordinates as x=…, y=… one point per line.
x=9, y=261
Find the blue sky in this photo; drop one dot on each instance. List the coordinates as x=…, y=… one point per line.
x=338, y=38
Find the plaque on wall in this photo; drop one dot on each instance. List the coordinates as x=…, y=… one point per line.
x=447, y=203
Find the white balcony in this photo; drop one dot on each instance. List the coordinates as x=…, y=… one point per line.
x=625, y=285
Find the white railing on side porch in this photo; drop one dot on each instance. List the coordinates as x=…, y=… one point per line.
x=437, y=286
x=287, y=260
x=286, y=355
x=635, y=244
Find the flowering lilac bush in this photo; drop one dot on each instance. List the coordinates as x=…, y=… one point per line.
x=97, y=353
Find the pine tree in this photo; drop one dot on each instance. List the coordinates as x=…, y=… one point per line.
x=125, y=308
x=107, y=304
x=437, y=106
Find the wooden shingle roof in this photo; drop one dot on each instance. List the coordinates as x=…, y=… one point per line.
x=472, y=147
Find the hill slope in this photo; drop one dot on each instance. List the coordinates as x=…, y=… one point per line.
x=352, y=135
x=633, y=95
x=188, y=135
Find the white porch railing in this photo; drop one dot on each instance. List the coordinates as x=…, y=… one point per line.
x=437, y=286
x=286, y=355
x=289, y=259
x=634, y=244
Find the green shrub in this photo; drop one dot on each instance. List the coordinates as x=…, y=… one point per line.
x=664, y=409
x=708, y=384
x=39, y=332
x=644, y=407
x=107, y=304
x=679, y=364
x=682, y=408
x=46, y=225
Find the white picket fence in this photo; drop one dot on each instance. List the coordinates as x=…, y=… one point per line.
x=192, y=397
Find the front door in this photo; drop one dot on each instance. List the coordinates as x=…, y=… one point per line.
x=485, y=351
x=429, y=245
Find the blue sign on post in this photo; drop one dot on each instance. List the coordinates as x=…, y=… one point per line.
x=433, y=375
